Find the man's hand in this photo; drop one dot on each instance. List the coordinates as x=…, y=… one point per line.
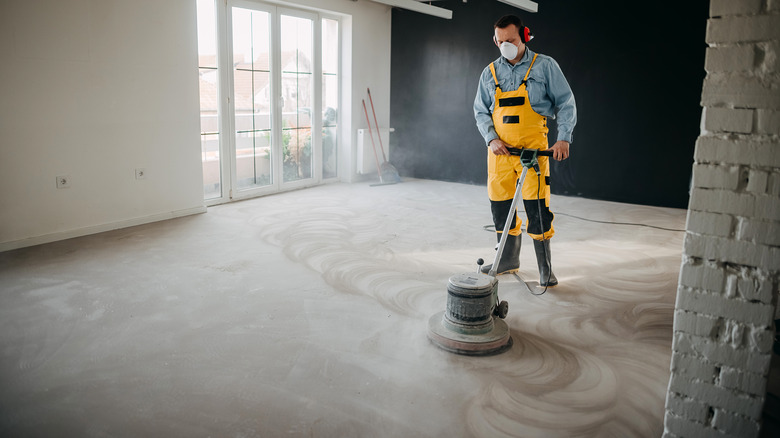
x=560, y=150
x=498, y=147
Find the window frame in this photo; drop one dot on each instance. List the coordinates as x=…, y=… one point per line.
x=226, y=107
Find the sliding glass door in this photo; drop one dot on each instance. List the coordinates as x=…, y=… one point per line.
x=297, y=90
x=253, y=117
x=330, y=97
x=278, y=104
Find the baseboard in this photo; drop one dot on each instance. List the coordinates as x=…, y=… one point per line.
x=54, y=237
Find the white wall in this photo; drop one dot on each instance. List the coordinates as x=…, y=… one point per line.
x=93, y=89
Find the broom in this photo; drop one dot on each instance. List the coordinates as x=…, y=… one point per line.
x=388, y=172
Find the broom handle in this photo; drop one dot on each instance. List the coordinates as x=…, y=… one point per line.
x=376, y=157
x=379, y=134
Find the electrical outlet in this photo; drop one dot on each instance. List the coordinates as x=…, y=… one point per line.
x=140, y=173
x=63, y=182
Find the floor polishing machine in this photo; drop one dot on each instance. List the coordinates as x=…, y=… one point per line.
x=473, y=322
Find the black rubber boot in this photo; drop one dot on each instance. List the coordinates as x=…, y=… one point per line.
x=543, y=258
x=510, y=257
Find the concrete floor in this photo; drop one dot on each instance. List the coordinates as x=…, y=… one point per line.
x=305, y=314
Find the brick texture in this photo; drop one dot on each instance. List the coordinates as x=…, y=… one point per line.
x=760, y=231
x=757, y=181
x=732, y=251
x=690, y=408
x=773, y=187
x=742, y=29
x=734, y=424
x=739, y=91
x=731, y=7
x=713, y=304
x=715, y=352
x=768, y=122
x=751, y=285
x=717, y=396
x=767, y=54
x=730, y=58
x=761, y=339
x=716, y=176
x=740, y=150
x=698, y=275
x=715, y=224
x=728, y=120
x=744, y=381
x=727, y=295
x=759, y=206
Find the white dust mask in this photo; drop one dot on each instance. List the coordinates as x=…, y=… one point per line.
x=508, y=50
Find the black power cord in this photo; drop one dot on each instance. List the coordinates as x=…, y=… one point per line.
x=541, y=225
x=492, y=228
x=621, y=223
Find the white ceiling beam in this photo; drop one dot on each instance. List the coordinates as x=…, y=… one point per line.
x=525, y=5
x=418, y=7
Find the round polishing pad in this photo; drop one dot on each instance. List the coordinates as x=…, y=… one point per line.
x=493, y=342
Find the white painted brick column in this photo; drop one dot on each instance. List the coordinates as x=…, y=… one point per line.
x=727, y=296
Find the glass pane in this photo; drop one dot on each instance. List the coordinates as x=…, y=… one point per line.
x=297, y=46
x=208, y=78
x=305, y=101
x=289, y=100
x=243, y=100
x=242, y=38
x=330, y=46
x=212, y=176
x=329, y=126
x=329, y=152
x=297, y=100
x=253, y=159
x=252, y=94
x=251, y=42
x=330, y=99
x=207, y=34
x=209, y=122
x=289, y=155
x=261, y=100
x=261, y=42
x=297, y=154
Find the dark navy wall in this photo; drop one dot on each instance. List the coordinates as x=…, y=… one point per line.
x=636, y=76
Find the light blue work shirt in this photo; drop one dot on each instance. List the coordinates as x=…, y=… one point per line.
x=548, y=93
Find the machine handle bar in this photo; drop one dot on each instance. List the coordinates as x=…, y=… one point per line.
x=520, y=151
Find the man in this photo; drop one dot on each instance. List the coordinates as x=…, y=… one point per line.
x=516, y=94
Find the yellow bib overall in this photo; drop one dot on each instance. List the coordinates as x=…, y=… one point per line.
x=518, y=125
